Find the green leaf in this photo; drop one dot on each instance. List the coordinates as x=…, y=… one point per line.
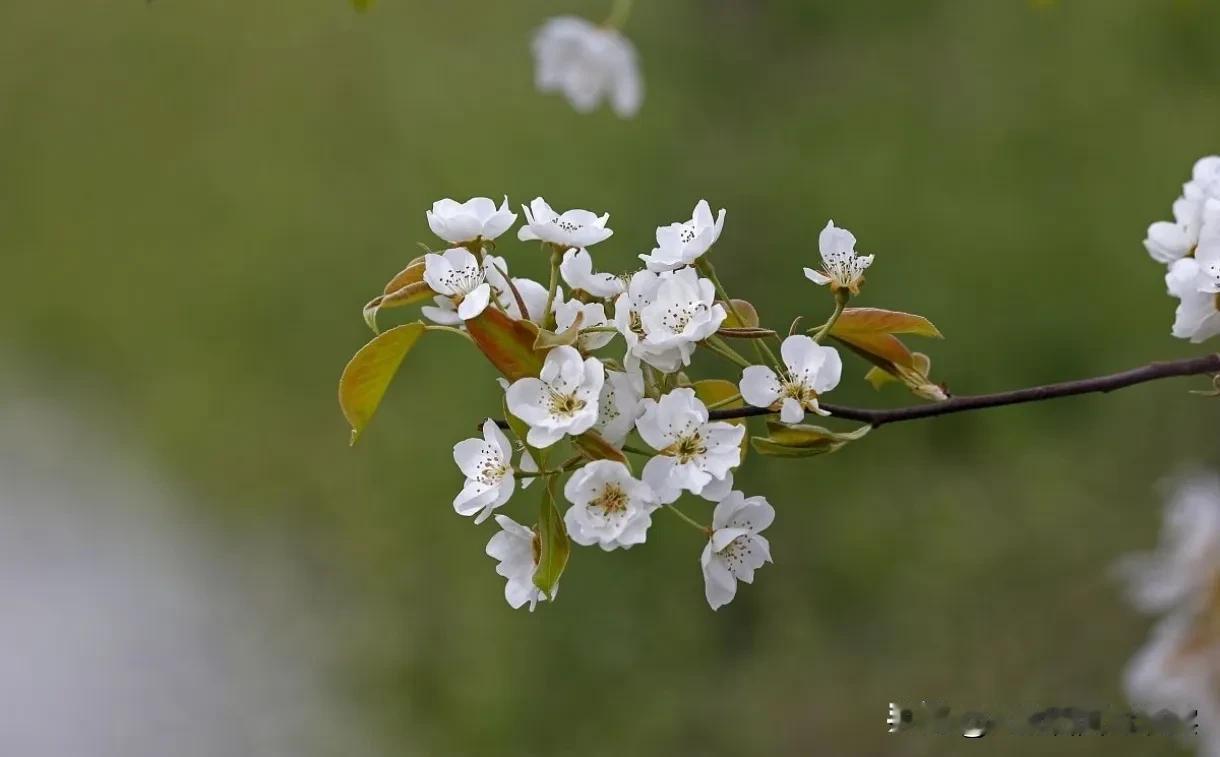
x=368, y=374
x=595, y=447
x=507, y=343
x=362, y=5
x=553, y=545
x=803, y=440
x=749, y=315
x=878, y=321
x=406, y=288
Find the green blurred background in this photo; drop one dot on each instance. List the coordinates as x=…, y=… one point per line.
x=196, y=199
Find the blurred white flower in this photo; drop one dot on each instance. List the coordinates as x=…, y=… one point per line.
x=562, y=400
x=735, y=549
x=571, y=229
x=662, y=316
x=609, y=508
x=842, y=268
x=477, y=218
x=1198, y=314
x=594, y=315
x=532, y=293
x=517, y=549
x=1177, y=669
x=458, y=280
x=487, y=465
x=693, y=452
x=1168, y=241
x=681, y=244
x=812, y=370
x=587, y=63
x=577, y=272
x=620, y=405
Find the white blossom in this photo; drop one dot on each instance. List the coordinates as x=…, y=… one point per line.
x=735, y=549
x=477, y=218
x=487, y=465
x=1177, y=669
x=577, y=272
x=562, y=400
x=1168, y=241
x=680, y=244
x=457, y=279
x=587, y=63
x=842, y=268
x=693, y=451
x=517, y=549
x=663, y=315
x=1198, y=314
x=609, y=508
x=593, y=315
x=571, y=229
x=812, y=370
x=532, y=293
x=620, y=405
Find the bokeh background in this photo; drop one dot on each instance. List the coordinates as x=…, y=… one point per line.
x=196, y=199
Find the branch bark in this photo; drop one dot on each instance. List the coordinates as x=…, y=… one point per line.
x=1209, y=364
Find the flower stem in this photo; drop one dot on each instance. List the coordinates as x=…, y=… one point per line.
x=637, y=450
x=619, y=13
x=723, y=402
x=698, y=526
x=450, y=329
x=717, y=345
x=841, y=298
x=600, y=330
x=548, y=317
x=760, y=346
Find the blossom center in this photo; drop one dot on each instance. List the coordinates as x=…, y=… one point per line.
x=799, y=391
x=688, y=447
x=462, y=281
x=492, y=467
x=612, y=500
x=567, y=225
x=735, y=552
x=687, y=234
x=566, y=404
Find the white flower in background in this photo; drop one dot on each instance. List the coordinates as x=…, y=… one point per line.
x=577, y=272
x=1198, y=314
x=571, y=229
x=663, y=315
x=842, y=268
x=562, y=400
x=532, y=293
x=1168, y=241
x=693, y=452
x=487, y=465
x=609, y=508
x=587, y=63
x=681, y=244
x=517, y=548
x=736, y=549
x=593, y=315
x=620, y=405
x=477, y=218
x=1177, y=669
x=812, y=370
x=458, y=280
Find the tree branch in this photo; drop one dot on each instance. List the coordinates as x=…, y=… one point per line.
x=1209, y=364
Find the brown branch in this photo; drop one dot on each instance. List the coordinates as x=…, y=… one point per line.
x=1209, y=364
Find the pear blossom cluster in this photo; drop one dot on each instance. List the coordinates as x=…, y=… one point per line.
x=587, y=64
x=1189, y=246
x=613, y=370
